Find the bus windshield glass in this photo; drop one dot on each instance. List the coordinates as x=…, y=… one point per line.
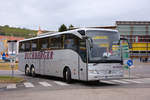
x=105, y=46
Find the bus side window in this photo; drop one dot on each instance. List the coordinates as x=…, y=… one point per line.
x=28, y=46
x=82, y=49
x=34, y=45
x=43, y=43
x=70, y=42
x=55, y=42
x=21, y=47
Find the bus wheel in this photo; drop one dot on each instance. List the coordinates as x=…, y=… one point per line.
x=27, y=71
x=33, y=72
x=67, y=75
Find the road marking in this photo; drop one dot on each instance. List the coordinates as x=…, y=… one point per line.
x=45, y=84
x=147, y=78
x=144, y=80
x=11, y=86
x=28, y=84
x=61, y=83
x=120, y=81
x=132, y=81
x=107, y=81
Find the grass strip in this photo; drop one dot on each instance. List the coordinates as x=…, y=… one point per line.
x=6, y=66
x=10, y=79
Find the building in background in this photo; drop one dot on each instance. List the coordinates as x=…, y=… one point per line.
x=39, y=31
x=44, y=32
x=105, y=27
x=138, y=33
x=4, y=45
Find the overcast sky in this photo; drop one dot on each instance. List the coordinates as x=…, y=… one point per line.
x=50, y=14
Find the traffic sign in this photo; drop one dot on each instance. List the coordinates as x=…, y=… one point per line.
x=129, y=63
x=4, y=56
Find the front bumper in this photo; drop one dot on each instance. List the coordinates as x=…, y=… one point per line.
x=105, y=71
x=106, y=77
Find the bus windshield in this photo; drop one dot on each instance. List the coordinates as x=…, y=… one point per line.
x=105, y=46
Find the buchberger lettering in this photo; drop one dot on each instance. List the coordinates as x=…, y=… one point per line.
x=39, y=55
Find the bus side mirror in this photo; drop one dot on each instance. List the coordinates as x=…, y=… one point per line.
x=85, y=37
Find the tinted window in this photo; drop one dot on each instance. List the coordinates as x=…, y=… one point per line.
x=28, y=46
x=70, y=42
x=44, y=43
x=76, y=44
x=82, y=49
x=34, y=45
x=21, y=46
x=55, y=42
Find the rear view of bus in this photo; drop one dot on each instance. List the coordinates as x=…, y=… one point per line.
x=104, y=55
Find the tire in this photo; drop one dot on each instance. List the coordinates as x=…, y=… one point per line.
x=27, y=71
x=33, y=74
x=67, y=75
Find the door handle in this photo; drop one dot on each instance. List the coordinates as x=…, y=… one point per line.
x=81, y=69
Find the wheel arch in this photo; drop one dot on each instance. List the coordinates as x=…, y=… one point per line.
x=31, y=66
x=26, y=66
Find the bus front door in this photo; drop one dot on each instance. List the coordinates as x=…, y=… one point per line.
x=81, y=61
x=82, y=70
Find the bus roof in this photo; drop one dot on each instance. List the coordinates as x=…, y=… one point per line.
x=75, y=32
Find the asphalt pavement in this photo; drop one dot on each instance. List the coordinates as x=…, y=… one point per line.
x=46, y=87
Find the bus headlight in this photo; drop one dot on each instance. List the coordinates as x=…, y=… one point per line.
x=93, y=72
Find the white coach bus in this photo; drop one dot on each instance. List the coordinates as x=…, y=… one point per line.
x=86, y=54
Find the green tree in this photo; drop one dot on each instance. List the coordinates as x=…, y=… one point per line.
x=62, y=28
x=71, y=27
x=6, y=26
x=20, y=32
